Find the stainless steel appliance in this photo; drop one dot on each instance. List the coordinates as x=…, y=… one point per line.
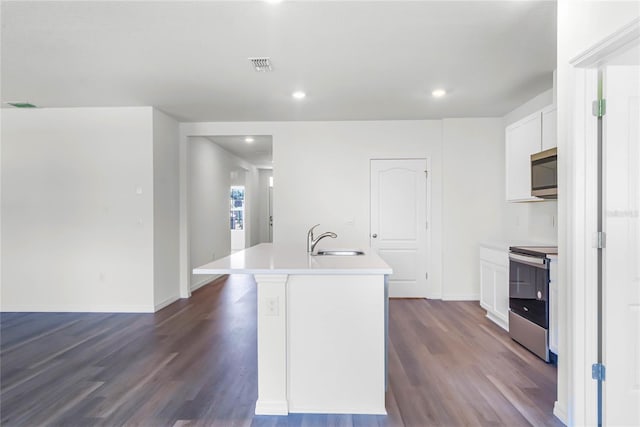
x=529, y=297
x=544, y=174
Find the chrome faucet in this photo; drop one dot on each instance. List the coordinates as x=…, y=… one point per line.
x=312, y=242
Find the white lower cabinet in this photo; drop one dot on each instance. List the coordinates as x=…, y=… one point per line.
x=553, y=305
x=494, y=285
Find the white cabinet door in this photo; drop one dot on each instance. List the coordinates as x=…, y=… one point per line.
x=549, y=136
x=522, y=140
x=501, y=290
x=486, y=285
x=553, y=306
x=553, y=317
x=494, y=285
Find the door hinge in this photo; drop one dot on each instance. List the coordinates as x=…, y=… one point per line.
x=599, y=240
x=598, y=372
x=599, y=107
x=426, y=276
x=426, y=225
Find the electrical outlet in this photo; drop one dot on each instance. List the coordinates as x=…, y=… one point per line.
x=271, y=306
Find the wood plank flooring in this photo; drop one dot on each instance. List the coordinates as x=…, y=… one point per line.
x=194, y=364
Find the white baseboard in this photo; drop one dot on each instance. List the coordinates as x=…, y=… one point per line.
x=498, y=321
x=361, y=411
x=272, y=407
x=206, y=280
x=561, y=413
x=85, y=308
x=166, y=302
x=461, y=297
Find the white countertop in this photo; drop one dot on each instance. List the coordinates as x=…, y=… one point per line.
x=501, y=245
x=266, y=258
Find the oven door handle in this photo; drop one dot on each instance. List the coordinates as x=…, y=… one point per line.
x=532, y=261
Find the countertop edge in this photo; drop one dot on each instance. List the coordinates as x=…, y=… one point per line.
x=301, y=272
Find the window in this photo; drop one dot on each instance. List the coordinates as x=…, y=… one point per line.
x=237, y=208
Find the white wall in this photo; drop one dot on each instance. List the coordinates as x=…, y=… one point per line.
x=252, y=207
x=321, y=175
x=166, y=214
x=580, y=26
x=473, y=195
x=534, y=104
x=76, y=233
x=263, y=215
x=211, y=171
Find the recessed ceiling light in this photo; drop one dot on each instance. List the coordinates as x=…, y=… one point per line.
x=249, y=139
x=439, y=93
x=299, y=94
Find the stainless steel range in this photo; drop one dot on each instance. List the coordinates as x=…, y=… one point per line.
x=529, y=297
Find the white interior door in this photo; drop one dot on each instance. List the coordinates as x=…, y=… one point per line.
x=621, y=275
x=399, y=223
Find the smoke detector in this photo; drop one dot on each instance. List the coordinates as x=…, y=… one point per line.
x=261, y=64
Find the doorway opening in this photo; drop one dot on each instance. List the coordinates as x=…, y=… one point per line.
x=228, y=205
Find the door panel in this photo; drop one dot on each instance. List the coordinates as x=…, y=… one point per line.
x=404, y=263
x=501, y=282
x=621, y=285
x=487, y=276
x=399, y=223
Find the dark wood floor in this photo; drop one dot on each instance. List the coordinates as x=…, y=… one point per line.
x=194, y=363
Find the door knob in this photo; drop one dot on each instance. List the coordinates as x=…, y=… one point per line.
x=374, y=235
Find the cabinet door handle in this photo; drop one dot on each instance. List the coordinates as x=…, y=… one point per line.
x=374, y=236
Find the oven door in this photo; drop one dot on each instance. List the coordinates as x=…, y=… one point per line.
x=529, y=288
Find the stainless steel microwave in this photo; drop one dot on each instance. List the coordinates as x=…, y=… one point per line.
x=544, y=174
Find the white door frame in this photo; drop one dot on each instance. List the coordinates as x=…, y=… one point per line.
x=187, y=131
x=578, y=340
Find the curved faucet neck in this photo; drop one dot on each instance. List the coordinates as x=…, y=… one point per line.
x=313, y=241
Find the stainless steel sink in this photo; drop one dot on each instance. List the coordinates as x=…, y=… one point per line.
x=340, y=252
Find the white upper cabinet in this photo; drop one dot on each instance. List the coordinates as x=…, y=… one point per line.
x=523, y=139
x=549, y=136
x=532, y=134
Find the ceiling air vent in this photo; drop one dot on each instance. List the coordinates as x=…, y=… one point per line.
x=21, y=104
x=261, y=64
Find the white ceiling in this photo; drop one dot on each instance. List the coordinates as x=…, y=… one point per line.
x=355, y=60
x=258, y=153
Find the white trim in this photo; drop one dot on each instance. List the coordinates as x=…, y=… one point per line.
x=498, y=321
x=611, y=45
x=580, y=342
x=272, y=407
x=166, y=302
x=362, y=411
x=205, y=281
x=185, y=252
x=561, y=413
x=84, y=308
x=461, y=297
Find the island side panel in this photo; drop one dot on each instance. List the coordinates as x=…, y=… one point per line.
x=336, y=342
x=272, y=345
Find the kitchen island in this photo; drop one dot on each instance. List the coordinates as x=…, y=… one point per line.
x=321, y=329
